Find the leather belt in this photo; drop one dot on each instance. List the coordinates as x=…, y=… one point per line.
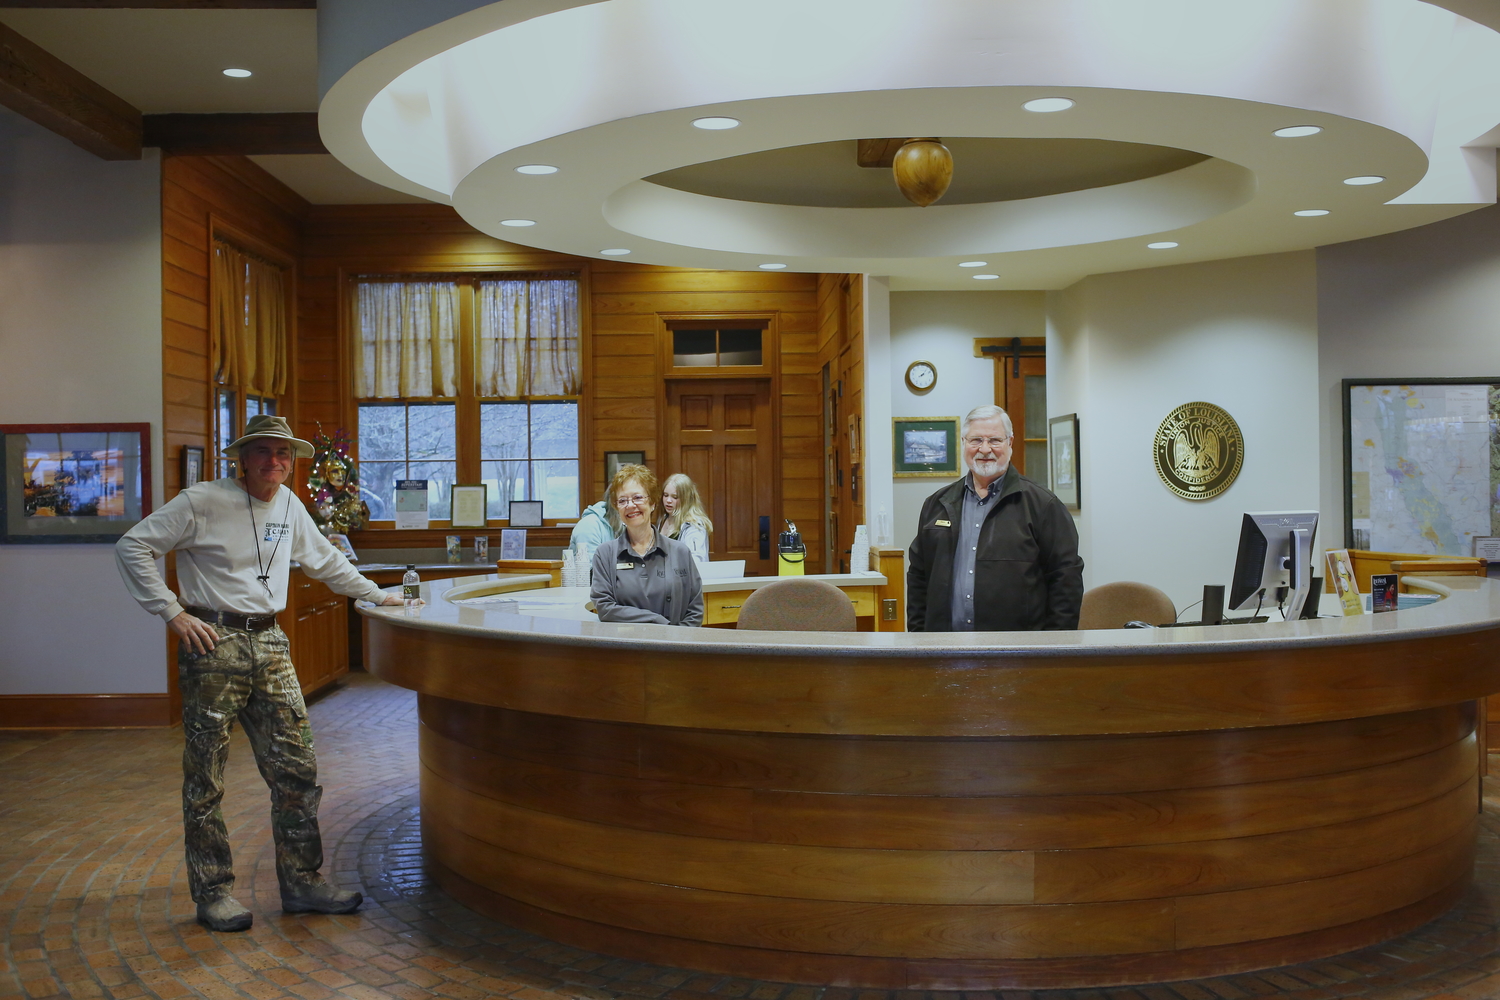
x=233, y=619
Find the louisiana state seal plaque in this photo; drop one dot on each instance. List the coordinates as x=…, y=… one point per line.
x=1199, y=449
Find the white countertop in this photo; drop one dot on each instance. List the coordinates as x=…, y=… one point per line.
x=556, y=615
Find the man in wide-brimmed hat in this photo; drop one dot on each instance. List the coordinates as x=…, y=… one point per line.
x=235, y=540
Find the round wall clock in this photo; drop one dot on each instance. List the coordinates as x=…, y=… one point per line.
x=921, y=376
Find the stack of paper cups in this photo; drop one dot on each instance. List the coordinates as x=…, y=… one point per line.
x=859, y=552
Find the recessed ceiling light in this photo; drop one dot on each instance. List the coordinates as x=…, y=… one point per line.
x=974, y=263
x=518, y=222
x=986, y=277
x=772, y=267
x=716, y=124
x=1163, y=245
x=536, y=168
x=1310, y=212
x=1044, y=105
x=615, y=252
x=1361, y=181
x=238, y=74
x=1297, y=131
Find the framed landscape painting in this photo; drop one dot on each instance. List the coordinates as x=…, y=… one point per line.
x=925, y=447
x=73, y=483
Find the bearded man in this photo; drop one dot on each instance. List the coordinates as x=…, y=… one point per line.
x=994, y=552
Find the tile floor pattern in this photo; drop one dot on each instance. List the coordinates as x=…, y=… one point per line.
x=94, y=902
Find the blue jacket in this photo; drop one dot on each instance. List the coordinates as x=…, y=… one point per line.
x=593, y=528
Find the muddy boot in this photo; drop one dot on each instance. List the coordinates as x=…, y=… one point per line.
x=225, y=914
x=320, y=898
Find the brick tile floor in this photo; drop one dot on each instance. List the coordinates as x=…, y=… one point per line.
x=94, y=903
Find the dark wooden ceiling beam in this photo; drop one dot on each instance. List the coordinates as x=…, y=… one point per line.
x=228, y=134
x=40, y=86
x=165, y=4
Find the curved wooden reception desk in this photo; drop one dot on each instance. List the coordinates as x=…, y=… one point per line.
x=950, y=811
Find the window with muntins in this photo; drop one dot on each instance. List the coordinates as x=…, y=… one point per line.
x=471, y=379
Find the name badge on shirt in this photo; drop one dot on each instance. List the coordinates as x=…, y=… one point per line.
x=943, y=524
x=626, y=565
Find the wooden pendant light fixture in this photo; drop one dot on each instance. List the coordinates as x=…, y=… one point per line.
x=923, y=167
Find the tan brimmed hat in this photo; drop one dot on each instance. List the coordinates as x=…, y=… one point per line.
x=263, y=425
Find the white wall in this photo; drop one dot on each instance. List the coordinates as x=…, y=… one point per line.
x=1420, y=303
x=877, y=458
x=940, y=327
x=1125, y=349
x=80, y=335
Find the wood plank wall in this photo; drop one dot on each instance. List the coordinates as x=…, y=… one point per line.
x=621, y=374
x=199, y=192
x=841, y=347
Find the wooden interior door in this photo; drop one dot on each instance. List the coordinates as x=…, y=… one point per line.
x=718, y=432
x=1021, y=390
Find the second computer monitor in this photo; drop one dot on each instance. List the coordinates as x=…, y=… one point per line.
x=1274, y=563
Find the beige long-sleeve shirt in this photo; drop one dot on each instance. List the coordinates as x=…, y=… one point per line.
x=214, y=528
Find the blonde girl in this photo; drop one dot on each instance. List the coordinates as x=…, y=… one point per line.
x=685, y=518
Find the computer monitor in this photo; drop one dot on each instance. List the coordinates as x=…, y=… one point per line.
x=1274, y=563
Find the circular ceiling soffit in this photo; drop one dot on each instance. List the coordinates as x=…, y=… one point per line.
x=609, y=92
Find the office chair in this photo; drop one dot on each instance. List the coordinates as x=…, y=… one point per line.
x=798, y=605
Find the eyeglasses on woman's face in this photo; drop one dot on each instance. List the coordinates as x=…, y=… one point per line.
x=634, y=500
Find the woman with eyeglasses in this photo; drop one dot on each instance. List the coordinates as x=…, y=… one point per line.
x=642, y=575
x=686, y=519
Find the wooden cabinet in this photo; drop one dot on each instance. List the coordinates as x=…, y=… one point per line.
x=316, y=621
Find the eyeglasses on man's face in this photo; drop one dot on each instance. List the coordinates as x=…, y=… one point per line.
x=634, y=500
x=986, y=442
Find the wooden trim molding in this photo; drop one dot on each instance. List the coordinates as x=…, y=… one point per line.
x=86, y=711
x=231, y=134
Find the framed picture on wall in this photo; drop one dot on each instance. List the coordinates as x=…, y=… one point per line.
x=1062, y=449
x=73, y=483
x=925, y=447
x=614, y=459
x=191, y=473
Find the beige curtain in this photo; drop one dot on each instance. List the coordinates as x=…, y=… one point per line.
x=527, y=338
x=408, y=337
x=247, y=334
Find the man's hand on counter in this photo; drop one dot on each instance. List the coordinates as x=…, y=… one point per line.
x=394, y=600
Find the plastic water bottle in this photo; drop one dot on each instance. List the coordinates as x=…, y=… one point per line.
x=411, y=587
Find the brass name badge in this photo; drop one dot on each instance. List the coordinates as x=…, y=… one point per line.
x=624, y=565
x=1198, y=450
x=943, y=524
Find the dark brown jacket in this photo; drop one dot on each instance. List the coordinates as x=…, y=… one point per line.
x=1027, y=571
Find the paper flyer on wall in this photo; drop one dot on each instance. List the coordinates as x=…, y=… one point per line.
x=411, y=503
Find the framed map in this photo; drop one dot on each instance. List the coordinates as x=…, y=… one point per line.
x=1421, y=464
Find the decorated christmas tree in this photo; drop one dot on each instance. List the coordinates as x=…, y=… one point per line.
x=334, y=485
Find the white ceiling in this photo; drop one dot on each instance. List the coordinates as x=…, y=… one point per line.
x=607, y=91
x=323, y=180
x=166, y=61
x=172, y=62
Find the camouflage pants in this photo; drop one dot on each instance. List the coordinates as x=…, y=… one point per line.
x=249, y=676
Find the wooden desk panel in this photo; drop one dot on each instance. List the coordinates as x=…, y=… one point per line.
x=886, y=813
